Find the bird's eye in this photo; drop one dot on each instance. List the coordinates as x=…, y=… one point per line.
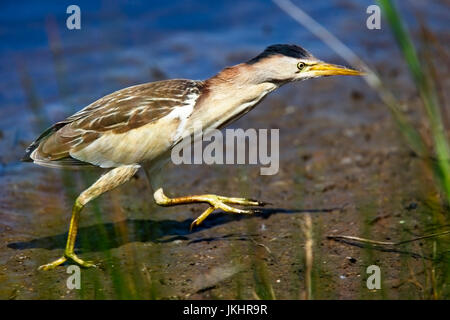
x=301, y=65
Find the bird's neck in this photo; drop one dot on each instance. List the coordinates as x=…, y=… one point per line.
x=230, y=94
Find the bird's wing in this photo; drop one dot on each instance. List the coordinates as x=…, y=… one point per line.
x=116, y=113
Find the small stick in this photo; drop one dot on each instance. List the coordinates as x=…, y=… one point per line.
x=387, y=243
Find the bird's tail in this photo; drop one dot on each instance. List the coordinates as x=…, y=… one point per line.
x=28, y=152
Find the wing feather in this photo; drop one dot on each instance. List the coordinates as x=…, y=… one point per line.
x=115, y=113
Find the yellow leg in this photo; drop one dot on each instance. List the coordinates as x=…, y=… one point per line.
x=69, y=253
x=215, y=202
x=105, y=183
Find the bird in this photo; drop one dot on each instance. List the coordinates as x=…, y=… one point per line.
x=136, y=128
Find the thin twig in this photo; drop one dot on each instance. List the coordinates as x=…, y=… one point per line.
x=387, y=243
x=309, y=242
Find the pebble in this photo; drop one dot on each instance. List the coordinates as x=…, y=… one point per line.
x=289, y=109
x=346, y=160
x=351, y=259
x=411, y=206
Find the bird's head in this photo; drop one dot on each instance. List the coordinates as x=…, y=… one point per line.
x=282, y=63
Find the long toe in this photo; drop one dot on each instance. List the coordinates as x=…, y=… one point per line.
x=243, y=201
x=230, y=209
x=53, y=264
x=80, y=262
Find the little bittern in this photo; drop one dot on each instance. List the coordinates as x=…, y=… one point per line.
x=136, y=127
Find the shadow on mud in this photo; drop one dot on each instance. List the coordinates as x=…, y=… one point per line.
x=113, y=235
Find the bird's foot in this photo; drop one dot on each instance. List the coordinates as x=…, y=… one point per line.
x=220, y=202
x=67, y=257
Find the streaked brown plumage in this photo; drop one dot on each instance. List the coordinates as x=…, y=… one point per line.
x=114, y=114
x=138, y=126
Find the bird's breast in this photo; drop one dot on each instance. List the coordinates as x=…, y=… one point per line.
x=224, y=106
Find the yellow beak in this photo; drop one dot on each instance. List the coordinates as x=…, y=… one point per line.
x=327, y=69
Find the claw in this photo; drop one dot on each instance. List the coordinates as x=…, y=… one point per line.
x=253, y=202
x=202, y=217
x=53, y=264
